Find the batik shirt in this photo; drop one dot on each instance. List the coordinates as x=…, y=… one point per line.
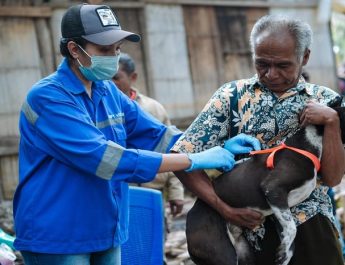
x=247, y=106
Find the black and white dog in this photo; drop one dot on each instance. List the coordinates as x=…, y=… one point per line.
x=212, y=241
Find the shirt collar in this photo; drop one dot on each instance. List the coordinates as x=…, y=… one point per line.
x=133, y=94
x=72, y=83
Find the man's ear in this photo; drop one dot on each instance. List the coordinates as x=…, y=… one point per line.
x=134, y=77
x=306, y=57
x=73, y=49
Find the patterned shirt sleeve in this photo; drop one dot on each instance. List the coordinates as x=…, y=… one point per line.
x=211, y=127
x=325, y=95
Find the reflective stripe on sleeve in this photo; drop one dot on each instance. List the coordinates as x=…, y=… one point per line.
x=109, y=122
x=163, y=145
x=110, y=160
x=29, y=113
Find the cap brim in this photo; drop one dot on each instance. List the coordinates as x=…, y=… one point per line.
x=111, y=36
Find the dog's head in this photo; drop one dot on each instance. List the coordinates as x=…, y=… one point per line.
x=341, y=114
x=336, y=105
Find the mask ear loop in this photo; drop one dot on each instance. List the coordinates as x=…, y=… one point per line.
x=84, y=52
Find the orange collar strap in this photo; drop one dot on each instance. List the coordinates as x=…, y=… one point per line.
x=272, y=151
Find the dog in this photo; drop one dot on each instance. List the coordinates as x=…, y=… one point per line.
x=212, y=241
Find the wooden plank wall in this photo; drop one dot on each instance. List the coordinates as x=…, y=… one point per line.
x=235, y=25
x=20, y=67
x=132, y=20
x=218, y=46
x=204, y=48
x=167, y=59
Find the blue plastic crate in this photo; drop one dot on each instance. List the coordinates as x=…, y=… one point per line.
x=146, y=226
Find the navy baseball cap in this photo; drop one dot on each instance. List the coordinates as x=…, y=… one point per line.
x=95, y=23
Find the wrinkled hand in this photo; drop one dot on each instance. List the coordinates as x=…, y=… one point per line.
x=242, y=144
x=216, y=157
x=243, y=217
x=318, y=114
x=176, y=206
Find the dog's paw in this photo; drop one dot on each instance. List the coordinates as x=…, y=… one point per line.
x=281, y=258
x=284, y=255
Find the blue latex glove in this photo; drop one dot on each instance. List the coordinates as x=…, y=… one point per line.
x=216, y=157
x=242, y=144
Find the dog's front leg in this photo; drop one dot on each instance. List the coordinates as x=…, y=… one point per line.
x=276, y=193
x=278, y=201
x=287, y=235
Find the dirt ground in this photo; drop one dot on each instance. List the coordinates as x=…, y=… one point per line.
x=6, y=224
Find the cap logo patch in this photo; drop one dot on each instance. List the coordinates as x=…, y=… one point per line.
x=107, y=17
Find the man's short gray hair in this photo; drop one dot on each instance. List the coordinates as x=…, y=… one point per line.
x=298, y=29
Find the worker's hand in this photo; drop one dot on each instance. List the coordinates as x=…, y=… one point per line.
x=176, y=206
x=242, y=217
x=242, y=144
x=216, y=157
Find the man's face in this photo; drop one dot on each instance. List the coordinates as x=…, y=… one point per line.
x=123, y=81
x=276, y=62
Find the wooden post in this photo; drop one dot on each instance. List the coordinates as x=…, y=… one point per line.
x=46, y=51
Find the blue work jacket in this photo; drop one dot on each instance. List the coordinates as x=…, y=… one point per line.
x=76, y=156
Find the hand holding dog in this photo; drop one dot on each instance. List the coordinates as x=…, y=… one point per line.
x=242, y=144
x=317, y=114
x=242, y=217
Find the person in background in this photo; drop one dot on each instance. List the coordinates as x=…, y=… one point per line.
x=341, y=79
x=271, y=106
x=82, y=141
x=167, y=183
x=125, y=79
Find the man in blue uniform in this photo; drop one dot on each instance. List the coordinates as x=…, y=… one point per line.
x=82, y=141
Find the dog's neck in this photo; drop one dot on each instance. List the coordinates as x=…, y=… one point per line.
x=308, y=139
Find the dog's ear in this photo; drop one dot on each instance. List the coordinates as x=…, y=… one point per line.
x=341, y=114
x=335, y=102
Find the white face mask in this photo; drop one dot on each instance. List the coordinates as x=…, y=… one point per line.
x=102, y=67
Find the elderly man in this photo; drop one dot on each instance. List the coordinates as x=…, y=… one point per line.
x=270, y=106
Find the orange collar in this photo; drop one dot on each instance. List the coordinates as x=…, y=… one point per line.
x=272, y=151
